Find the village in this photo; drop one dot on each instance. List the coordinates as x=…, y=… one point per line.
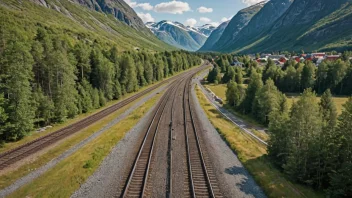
x=280, y=60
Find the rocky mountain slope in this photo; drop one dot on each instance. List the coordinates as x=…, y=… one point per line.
x=310, y=25
x=267, y=12
x=179, y=35
x=111, y=21
x=214, y=37
x=290, y=25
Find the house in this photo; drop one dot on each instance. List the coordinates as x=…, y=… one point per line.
x=319, y=55
x=237, y=64
x=278, y=57
x=283, y=59
x=332, y=57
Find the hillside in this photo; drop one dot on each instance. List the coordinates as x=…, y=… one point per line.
x=214, y=37
x=310, y=25
x=291, y=25
x=243, y=19
x=180, y=36
x=112, y=22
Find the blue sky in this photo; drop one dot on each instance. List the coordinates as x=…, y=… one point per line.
x=189, y=12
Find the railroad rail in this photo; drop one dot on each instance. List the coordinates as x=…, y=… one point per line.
x=201, y=176
x=137, y=180
x=12, y=156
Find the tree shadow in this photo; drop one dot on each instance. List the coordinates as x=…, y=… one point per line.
x=247, y=183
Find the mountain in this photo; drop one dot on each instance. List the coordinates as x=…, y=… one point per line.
x=180, y=36
x=292, y=25
x=266, y=13
x=310, y=25
x=214, y=37
x=206, y=29
x=106, y=21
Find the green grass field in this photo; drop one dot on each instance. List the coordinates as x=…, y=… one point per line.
x=253, y=155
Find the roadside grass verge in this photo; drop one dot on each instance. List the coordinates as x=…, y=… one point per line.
x=10, y=177
x=253, y=156
x=68, y=175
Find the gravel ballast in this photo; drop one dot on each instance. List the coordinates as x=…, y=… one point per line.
x=234, y=180
x=36, y=173
x=111, y=176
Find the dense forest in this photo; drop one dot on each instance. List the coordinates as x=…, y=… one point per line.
x=48, y=78
x=309, y=142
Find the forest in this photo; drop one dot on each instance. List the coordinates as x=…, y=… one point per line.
x=309, y=142
x=50, y=77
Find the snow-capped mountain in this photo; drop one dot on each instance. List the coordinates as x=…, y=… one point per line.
x=181, y=36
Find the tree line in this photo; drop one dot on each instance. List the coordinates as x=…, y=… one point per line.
x=309, y=142
x=47, y=79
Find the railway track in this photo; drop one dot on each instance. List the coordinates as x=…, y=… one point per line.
x=137, y=180
x=201, y=177
x=201, y=180
x=12, y=156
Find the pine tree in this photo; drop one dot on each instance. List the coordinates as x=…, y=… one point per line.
x=308, y=75
x=305, y=127
x=341, y=177
x=229, y=75
x=17, y=62
x=239, y=75
x=255, y=84
x=268, y=99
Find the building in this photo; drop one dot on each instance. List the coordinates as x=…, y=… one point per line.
x=237, y=64
x=332, y=57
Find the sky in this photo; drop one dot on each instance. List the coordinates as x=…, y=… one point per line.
x=189, y=12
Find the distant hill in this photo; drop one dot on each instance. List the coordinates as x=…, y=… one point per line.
x=291, y=25
x=235, y=26
x=179, y=35
x=214, y=37
x=111, y=21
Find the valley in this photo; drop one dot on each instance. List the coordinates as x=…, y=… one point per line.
x=130, y=98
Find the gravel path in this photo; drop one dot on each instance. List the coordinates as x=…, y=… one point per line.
x=110, y=177
x=233, y=178
x=36, y=173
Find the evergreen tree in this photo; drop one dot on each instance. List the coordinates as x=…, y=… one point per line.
x=341, y=177
x=234, y=94
x=268, y=99
x=308, y=75
x=255, y=84
x=305, y=127
x=239, y=75
x=229, y=75
x=16, y=75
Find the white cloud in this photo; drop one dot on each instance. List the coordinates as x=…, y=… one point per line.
x=146, y=17
x=203, y=9
x=251, y=2
x=145, y=6
x=173, y=7
x=205, y=19
x=131, y=3
x=191, y=22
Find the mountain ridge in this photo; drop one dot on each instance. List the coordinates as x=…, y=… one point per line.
x=179, y=35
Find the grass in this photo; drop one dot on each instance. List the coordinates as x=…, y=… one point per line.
x=68, y=175
x=253, y=156
x=10, y=177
